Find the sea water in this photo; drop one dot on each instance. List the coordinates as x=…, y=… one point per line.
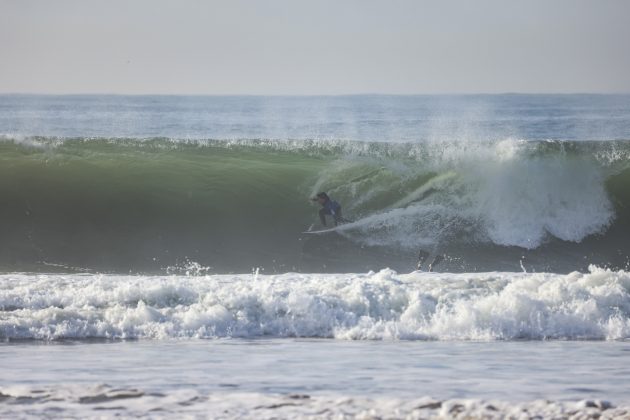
x=152, y=261
x=183, y=376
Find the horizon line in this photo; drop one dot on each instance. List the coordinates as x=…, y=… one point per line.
x=309, y=94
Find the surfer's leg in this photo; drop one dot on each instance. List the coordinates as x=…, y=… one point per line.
x=422, y=256
x=438, y=259
x=338, y=217
x=322, y=216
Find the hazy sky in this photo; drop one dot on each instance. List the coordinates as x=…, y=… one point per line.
x=314, y=47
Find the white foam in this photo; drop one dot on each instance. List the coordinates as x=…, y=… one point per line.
x=25, y=141
x=380, y=306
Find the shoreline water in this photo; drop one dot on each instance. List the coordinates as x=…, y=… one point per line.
x=106, y=402
x=288, y=378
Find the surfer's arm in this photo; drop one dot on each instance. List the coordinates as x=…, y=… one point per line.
x=333, y=208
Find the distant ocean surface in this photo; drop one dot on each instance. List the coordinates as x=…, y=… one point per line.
x=152, y=255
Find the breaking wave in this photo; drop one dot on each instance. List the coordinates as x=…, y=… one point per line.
x=144, y=205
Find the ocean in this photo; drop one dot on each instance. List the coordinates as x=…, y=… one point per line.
x=153, y=261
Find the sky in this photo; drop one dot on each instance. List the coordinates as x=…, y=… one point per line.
x=296, y=47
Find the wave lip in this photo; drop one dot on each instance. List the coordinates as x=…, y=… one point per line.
x=373, y=306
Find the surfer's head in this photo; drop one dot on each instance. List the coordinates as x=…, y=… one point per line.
x=322, y=197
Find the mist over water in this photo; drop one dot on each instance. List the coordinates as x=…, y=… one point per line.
x=363, y=118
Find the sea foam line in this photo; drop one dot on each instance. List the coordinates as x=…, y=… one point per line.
x=373, y=306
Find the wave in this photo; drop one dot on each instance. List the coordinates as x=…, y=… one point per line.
x=373, y=306
x=116, y=204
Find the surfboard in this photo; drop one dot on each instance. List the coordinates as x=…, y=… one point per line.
x=343, y=222
x=321, y=230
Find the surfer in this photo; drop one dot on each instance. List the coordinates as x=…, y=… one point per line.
x=329, y=207
x=423, y=257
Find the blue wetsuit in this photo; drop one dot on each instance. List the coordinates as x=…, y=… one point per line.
x=331, y=208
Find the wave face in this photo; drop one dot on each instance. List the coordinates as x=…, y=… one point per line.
x=123, y=205
x=373, y=306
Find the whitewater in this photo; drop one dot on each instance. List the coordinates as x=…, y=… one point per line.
x=152, y=261
x=372, y=306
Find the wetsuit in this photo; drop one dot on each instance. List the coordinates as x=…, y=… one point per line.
x=331, y=208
